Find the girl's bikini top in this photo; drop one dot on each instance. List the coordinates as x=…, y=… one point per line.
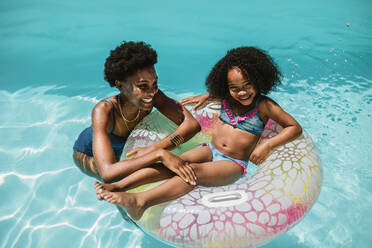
x=249, y=121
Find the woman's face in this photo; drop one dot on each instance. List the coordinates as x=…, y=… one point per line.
x=140, y=88
x=240, y=88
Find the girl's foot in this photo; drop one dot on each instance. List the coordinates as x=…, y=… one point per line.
x=104, y=186
x=127, y=200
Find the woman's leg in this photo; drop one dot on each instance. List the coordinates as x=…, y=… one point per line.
x=154, y=173
x=209, y=174
x=86, y=164
x=143, y=176
x=137, y=203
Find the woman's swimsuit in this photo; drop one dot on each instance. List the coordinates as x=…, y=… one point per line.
x=249, y=122
x=84, y=142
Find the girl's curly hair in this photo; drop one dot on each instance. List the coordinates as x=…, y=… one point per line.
x=255, y=64
x=126, y=59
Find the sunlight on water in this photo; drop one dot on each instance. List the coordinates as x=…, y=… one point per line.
x=51, y=77
x=52, y=197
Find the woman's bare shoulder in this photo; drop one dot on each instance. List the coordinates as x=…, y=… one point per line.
x=103, y=108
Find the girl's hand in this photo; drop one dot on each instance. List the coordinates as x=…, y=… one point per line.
x=179, y=166
x=199, y=100
x=260, y=153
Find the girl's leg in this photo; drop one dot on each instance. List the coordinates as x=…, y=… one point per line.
x=217, y=173
x=209, y=174
x=199, y=154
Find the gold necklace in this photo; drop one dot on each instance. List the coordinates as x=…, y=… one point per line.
x=125, y=119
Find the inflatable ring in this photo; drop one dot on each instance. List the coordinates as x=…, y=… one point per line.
x=249, y=213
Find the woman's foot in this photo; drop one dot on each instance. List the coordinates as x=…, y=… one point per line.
x=127, y=200
x=104, y=186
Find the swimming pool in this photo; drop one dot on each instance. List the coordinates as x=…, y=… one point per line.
x=51, y=75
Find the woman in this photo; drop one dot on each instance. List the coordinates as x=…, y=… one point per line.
x=129, y=68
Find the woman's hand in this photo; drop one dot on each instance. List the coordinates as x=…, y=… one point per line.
x=140, y=151
x=178, y=166
x=199, y=100
x=260, y=153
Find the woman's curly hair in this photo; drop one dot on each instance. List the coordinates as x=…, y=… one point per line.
x=126, y=59
x=255, y=64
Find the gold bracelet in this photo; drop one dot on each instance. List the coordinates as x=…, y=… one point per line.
x=176, y=139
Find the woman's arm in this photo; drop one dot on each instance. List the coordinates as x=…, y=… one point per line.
x=268, y=109
x=102, y=148
x=104, y=156
x=188, y=126
x=108, y=168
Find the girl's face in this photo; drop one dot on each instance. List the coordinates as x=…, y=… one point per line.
x=240, y=88
x=140, y=88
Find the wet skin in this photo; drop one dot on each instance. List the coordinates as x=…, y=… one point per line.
x=227, y=139
x=138, y=95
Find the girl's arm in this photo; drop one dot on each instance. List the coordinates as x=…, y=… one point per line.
x=268, y=109
x=199, y=100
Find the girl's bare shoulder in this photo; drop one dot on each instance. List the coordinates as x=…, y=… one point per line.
x=265, y=103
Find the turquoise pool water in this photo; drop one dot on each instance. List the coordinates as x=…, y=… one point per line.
x=51, y=75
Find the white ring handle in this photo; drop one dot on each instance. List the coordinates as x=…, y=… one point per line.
x=224, y=199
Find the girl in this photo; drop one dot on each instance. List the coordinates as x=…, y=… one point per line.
x=129, y=68
x=240, y=80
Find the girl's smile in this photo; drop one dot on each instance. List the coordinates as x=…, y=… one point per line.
x=241, y=90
